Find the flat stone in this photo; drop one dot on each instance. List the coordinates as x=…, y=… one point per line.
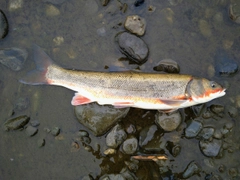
x=193, y=129
x=99, y=119
x=210, y=148
x=132, y=47
x=135, y=24
x=168, y=122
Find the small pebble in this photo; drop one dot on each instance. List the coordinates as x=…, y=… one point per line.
x=168, y=66
x=31, y=131
x=110, y=151
x=41, y=142
x=135, y=24
x=55, y=131
x=34, y=123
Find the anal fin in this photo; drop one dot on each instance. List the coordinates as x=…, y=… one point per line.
x=78, y=99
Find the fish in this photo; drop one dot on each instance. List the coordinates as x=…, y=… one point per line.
x=154, y=91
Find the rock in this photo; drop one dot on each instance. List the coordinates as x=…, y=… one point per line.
x=168, y=122
x=224, y=64
x=216, y=108
x=110, y=151
x=105, y=2
x=15, y=4
x=192, y=169
x=31, y=131
x=133, y=47
x=99, y=119
x=151, y=139
x=116, y=136
x=130, y=145
x=193, y=129
x=135, y=24
x=41, y=142
x=232, y=111
x=13, y=58
x=168, y=66
x=55, y=131
x=51, y=10
x=218, y=134
x=205, y=28
x=16, y=123
x=207, y=132
x=147, y=134
x=34, y=123
x=21, y=104
x=102, y=32
x=3, y=25
x=82, y=133
x=174, y=149
x=210, y=148
x=234, y=12
x=138, y=3
x=58, y=40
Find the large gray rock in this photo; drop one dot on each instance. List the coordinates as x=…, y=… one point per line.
x=99, y=119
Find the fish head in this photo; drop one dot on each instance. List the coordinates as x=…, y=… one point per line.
x=201, y=90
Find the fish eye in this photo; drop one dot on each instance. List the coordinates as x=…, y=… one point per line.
x=213, y=84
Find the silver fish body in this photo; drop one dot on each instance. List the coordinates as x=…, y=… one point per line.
x=125, y=89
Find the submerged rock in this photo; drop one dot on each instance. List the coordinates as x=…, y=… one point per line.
x=55, y=131
x=16, y=123
x=210, y=148
x=21, y=104
x=234, y=12
x=3, y=25
x=168, y=66
x=133, y=47
x=168, y=122
x=174, y=149
x=31, y=131
x=192, y=169
x=135, y=24
x=224, y=64
x=193, y=129
x=99, y=119
x=13, y=58
x=116, y=136
x=130, y=145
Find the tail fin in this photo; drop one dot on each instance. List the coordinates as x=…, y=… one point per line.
x=42, y=61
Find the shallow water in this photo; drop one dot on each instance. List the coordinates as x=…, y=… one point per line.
x=173, y=31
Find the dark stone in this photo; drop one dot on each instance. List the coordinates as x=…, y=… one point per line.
x=3, y=25
x=192, y=168
x=13, y=58
x=168, y=66
x=224, y=64
x=133, y=47
x=16, y=123
x=21, y=104
x=138, y=3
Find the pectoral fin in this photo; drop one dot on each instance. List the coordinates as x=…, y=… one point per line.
x=78, y=99
x=173, y=102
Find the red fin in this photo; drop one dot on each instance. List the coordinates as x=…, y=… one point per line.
x=79, y=100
